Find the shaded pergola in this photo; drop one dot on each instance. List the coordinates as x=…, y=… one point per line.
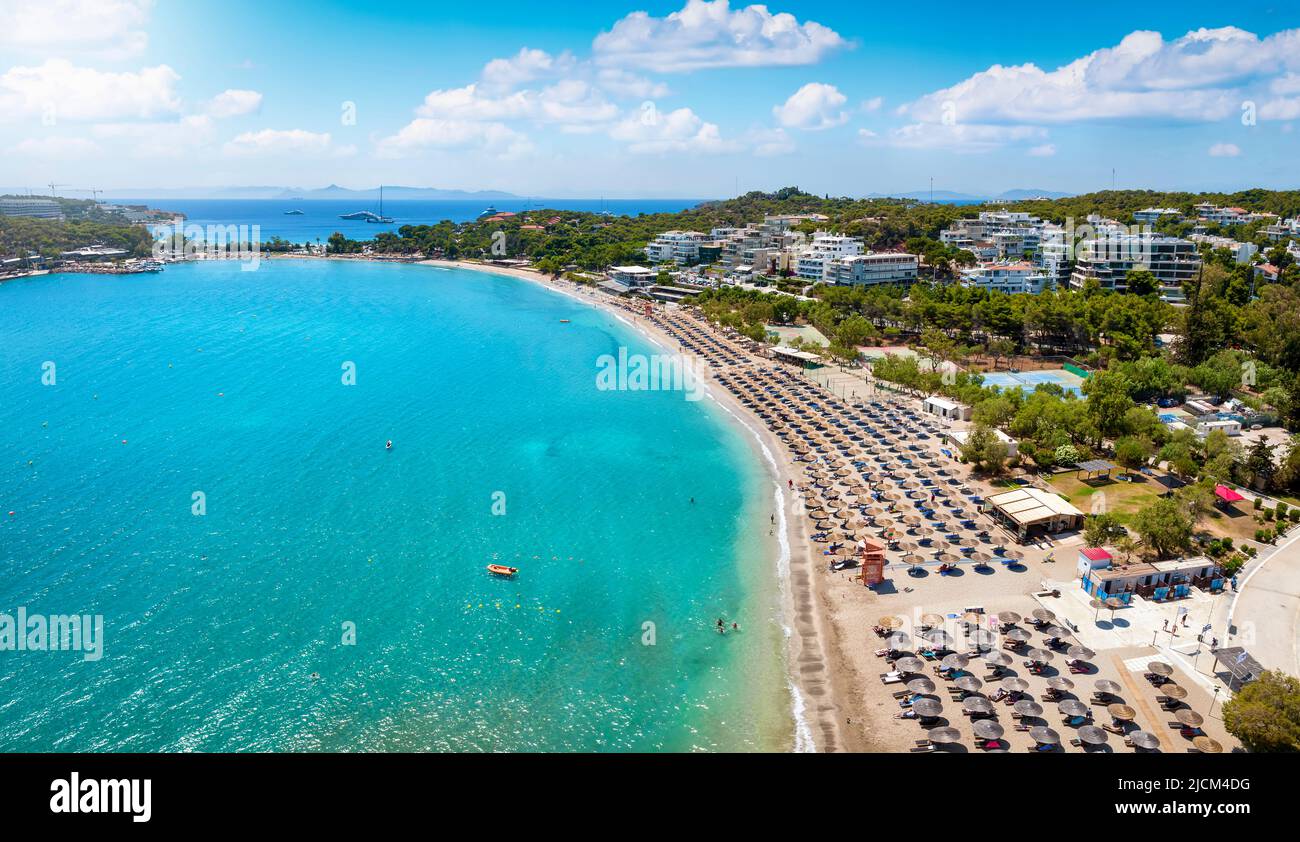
x=1094, y=468
x=1239, y=665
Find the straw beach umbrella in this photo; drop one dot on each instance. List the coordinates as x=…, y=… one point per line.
x=1028, y=707
x=927, y=708
x=1123, y=713
x=1107, y=687
x=1173, y=691
x=987, y=729
x=921, y=685
x=1092, y=735
x=1160, y=668
x=1144, y=739
x=1072, y=707
x=1044, y=735
x=1205, y=745
x=1190, y=718
x=954, y=662
x=944, y=736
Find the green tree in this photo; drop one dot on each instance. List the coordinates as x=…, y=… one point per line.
x=1260, y=466
x=1103, y=529
x=1265, y=714
x=984, y=450
x=1164, y=527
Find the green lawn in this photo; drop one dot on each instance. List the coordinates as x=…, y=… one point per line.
x=1122, y=499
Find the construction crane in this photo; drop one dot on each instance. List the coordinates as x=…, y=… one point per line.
x=53, y=187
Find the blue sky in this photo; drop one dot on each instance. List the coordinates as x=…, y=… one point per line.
x=685, y=98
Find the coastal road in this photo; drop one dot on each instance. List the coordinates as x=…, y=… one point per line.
x=1267, y=610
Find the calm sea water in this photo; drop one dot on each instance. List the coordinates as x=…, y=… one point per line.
x=206, y=378
x=320, y=217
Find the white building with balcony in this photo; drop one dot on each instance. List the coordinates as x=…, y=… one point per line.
x=1009, y=277
x=817, y=261
x=874, y=268
x=1109, y=259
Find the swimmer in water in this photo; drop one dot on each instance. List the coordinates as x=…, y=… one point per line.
x=388, y=446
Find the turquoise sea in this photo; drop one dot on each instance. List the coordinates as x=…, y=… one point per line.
x=207, y=378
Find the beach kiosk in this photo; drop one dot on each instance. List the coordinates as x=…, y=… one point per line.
x=1158, y=581
x=1031, y=513
x=946, y=409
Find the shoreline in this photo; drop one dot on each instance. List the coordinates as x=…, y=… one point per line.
x=815, y=667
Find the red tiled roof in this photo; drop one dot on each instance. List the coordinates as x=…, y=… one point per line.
x=1096, y=554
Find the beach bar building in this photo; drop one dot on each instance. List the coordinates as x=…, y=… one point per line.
x=946, y=409
x=1030, y=513
x=804, y=359
x=1157, y=581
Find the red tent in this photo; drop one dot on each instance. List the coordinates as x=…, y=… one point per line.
x=1227, y=494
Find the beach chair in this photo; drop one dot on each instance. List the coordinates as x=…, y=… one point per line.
x=1022, y=727
x=1076, y=742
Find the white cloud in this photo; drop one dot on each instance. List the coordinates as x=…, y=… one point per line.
x=107, y=28
x=873, y=105
x=770, y=143
x=655, y=132
x=622, y=83
x=505, y=74
x=567, y=101
x=1047, y=150
x=866, y=135
x=64, y=91
x=1225, y=150
x=428, y=133
x=296, y=142
x=56, y=147
x=234, y=103
x=813, y=107
x=710, y=34
x=177, y=139
x=962, y=137
x=1193, y=78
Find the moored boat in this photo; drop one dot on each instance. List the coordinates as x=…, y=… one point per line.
x=502, y=570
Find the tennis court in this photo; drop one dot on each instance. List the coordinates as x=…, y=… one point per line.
x=1028, y=380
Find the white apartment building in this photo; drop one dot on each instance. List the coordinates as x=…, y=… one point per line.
x=1241, y=252
x=1150, y=216
x=874, y=268
x=1008, y=277
x=1283, y=230
x=31, y=207
x=1108, y=259
x=816, y=262
x=676, y=247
